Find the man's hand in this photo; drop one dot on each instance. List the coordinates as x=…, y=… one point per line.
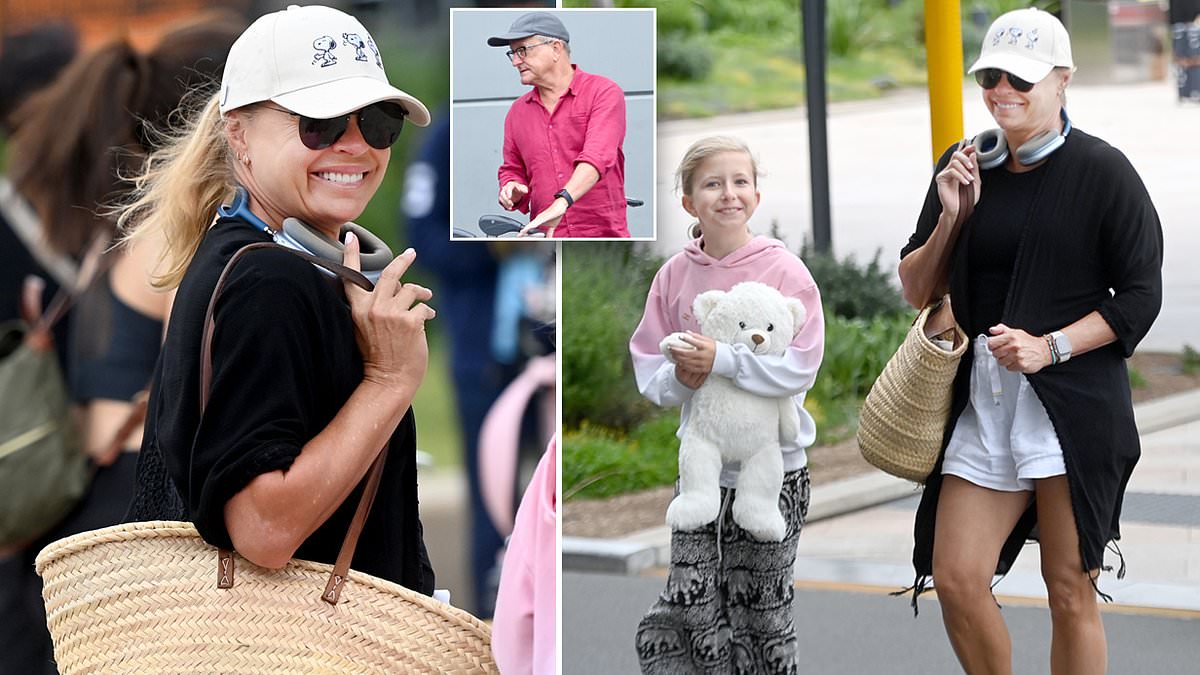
x=511, y=193
x=549, y=218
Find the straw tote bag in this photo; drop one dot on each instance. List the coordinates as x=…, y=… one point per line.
x=904, y=415
x=153, y=597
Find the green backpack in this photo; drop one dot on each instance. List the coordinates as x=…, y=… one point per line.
x=43, y=470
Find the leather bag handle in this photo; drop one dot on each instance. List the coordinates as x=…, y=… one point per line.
x=225, y=565
x=966, y=206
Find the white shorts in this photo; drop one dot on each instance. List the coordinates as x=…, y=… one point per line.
x=1003, y=439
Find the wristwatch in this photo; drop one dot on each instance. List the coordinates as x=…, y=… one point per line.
x=565, y=195
x=1060, y=346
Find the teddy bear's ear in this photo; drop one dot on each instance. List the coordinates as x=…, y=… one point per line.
x=798, y=314
x=704, y=304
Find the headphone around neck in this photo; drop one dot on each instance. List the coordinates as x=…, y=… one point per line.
x=300, y=236
x=991, y=147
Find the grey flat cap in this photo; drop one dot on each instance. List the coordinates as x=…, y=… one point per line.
x=528, y=25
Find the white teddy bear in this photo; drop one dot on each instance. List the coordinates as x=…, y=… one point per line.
x=730, y=424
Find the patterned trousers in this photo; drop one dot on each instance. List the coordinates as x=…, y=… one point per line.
x=727, y=607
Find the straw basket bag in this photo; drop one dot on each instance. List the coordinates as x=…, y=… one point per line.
x=153, y=597
x=143, y=598
x=904, y=415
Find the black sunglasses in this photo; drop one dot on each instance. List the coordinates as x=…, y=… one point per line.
x=380, y=125
x=989, y=78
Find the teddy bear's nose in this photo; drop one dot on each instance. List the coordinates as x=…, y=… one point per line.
x=758, y=339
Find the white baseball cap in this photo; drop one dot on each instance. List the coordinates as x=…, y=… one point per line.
x=1028, y=43
x=315, y=61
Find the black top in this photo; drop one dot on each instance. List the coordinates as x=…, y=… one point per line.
x=285, y=361
x=115, y=356
x=1090, y=241
x=992, y=243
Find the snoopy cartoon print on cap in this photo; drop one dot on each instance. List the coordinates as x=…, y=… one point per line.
x=371, y=44
x=324, y=46
x=356, y=41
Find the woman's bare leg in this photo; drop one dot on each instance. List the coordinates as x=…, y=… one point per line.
x=1078, y=646
x=972, y=524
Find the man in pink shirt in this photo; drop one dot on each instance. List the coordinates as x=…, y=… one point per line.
x=562, y=140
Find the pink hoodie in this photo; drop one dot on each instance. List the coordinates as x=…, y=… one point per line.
x=669, y=309
x=523, y=630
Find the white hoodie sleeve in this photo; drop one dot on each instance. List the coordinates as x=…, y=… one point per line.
x=655, y=374
x=789, y=374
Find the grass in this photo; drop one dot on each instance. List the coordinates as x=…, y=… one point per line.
x=749, y=75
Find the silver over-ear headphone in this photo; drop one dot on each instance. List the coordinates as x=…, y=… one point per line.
x=991, y=147
x=300, y=236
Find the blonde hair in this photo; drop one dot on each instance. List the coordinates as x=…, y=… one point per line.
x=700, y=151
x=178, y=192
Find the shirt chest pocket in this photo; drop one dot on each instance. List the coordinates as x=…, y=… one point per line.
x=572, y=132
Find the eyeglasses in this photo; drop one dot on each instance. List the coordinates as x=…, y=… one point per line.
x=519, y=52
x=380, y=125
x=989, y=78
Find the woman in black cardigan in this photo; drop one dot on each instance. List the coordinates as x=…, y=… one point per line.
x=1058, y=274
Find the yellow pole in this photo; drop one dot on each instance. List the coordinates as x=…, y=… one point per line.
x=943, y=49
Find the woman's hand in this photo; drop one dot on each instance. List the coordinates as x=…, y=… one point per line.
x=389, y=322
x=1017, y=350
x=698, y=360
x=961, y=170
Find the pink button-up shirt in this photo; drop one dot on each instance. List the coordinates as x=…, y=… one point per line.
x=542, y=148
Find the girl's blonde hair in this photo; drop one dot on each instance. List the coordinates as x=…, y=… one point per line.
x=695, y=156
x=178, y=192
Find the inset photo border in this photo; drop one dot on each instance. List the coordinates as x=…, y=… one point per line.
x=499, y=126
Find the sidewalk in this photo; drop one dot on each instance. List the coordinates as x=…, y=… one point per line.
x=859, y=531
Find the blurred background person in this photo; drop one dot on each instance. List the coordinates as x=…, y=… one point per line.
x=481, y=301
x=31, y=59
x=523, y=634
x=73, y=142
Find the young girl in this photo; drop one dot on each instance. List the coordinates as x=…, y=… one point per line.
x=727, y=606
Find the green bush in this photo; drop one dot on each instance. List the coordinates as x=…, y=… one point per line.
x=1190, y=361
x=851, y=291
x=853, y=26
x=604, y=294
x=673, y=16
x=686, y=57
x=600, y=463
x=1136, y=379
x=751, y=18
x=856, y=350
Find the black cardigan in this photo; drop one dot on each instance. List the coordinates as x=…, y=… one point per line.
x=285, y=360
x=1091, y=242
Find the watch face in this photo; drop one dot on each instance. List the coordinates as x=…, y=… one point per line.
x=1062, y=343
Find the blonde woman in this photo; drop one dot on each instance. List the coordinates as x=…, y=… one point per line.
x=1057, y=276
x=309, y=380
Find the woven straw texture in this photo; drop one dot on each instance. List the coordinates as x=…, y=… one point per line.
x=143, y=598
x=904, y=415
